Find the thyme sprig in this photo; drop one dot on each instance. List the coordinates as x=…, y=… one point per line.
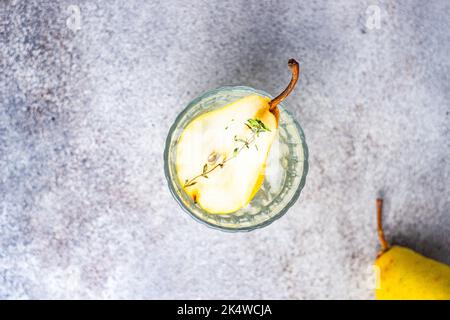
x=255, y=125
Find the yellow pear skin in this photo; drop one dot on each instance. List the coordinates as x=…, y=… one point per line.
x=406, y=275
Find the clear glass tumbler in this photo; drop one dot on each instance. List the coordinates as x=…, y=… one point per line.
x=285, y=175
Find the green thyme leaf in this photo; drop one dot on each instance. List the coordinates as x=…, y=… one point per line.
x=256, y=125
x=205, y=168
x=262, y=125
x=190, y=184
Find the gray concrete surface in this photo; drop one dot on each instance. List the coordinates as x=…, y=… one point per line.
x=85, y=211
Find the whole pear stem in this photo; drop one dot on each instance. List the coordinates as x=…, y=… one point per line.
x=295, y=69
x=384, y=244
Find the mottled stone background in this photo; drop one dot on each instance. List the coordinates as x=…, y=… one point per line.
x=85, y=211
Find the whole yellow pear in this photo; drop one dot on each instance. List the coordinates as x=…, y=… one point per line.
x=407, y=275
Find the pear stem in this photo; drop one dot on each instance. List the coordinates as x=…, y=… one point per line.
x=295, y=69
x=384, y=244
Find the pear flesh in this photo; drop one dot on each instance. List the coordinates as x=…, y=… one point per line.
x=222, y=136
x=407, y=275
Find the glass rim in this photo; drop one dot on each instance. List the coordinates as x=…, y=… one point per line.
x=180, y=202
